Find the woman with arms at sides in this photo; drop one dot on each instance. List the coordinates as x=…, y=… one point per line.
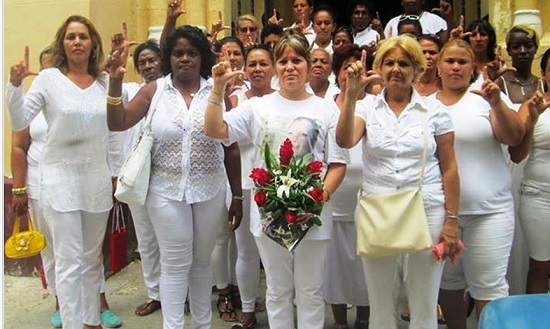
x=259, y=69
x=321, y=79
x=483, y=122
x=147, y=61
x=390, y=128
x=534, y=200
x=267, y=119
x=429, y=82
x=323, y=25
x=76, y=190
x=186, y=199
x=344, y=277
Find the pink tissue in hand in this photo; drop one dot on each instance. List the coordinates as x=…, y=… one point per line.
x=438, y=251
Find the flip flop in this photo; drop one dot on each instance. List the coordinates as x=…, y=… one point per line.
x=147, y=308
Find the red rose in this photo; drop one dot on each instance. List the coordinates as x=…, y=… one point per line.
x=290, y=217
x=260, y=176
x=286, y=152
x=260, y=198
x=317, y=194
x=315, y=167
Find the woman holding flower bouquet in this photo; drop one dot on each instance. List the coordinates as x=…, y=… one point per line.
x=390, y=126
x=268, y=121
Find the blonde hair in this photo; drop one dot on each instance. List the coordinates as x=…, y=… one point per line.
x=250, y=18
x=531, y=34
x=459, y=43
x=295, y=41
x=406, y=43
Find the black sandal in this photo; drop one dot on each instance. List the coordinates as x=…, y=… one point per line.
x=235, y=296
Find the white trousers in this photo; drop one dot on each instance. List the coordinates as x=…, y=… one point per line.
x=148, y=249
x=77, y=238
x=47, y=255
x=421, y=283
x=185, y=236
x=224, y=255
x=298, y=274
x=248, y=259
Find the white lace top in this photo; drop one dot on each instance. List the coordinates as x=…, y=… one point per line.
x=186, y=164
x=74, y=170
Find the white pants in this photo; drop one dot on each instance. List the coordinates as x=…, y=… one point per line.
x=421, y=283
x=77, y=242
x=248, y=259
x=185, y=236
x=224, y=255
x=482, y=267
x=47, y=255
x=148, y=249
x=535, y=220
x=297, y=274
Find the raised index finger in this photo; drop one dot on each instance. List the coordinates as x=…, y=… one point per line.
x=26, y=56
x=377, y=16
x=220, y=15
x=125, y=30
x=461, y=21
x=364, y=59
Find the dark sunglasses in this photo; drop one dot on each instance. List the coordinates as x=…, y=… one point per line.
x=248, y=29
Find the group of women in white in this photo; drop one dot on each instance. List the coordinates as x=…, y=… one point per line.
x=364, y=114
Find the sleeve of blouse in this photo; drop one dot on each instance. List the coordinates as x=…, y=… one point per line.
x=361, y=108
x=22, y=109
x=239, y=122
x=442, y=121
x=334, y=153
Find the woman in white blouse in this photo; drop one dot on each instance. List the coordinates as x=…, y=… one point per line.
x=390, y=128
x=186, y=199
x=483, y=122
x=76, y=190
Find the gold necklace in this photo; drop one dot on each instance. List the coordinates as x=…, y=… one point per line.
x=524, y=84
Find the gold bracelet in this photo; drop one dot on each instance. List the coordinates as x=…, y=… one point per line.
x=240, y=198
x=328, y=193
x=451, y=215
x=113, y=100
x=213, y=102
x=216, y=92
x=19, y=190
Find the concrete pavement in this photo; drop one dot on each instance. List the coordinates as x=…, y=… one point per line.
x=28, y=306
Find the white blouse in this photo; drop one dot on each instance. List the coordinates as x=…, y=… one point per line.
x=74, y=171
x=186, y=164
x=392, y=148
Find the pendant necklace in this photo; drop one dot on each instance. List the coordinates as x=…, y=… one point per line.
x=523, y=84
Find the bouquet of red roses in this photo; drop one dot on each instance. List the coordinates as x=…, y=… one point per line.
x=289, y=193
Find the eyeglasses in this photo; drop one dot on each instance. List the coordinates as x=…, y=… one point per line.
x=250, y=29
x=409, y=17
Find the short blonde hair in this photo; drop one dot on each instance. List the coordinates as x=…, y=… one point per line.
x=250, y=18
x=406, y=43
x=531, y=34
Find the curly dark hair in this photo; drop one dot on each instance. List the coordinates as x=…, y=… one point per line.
x=346, y=52
x=198, y=40
x=147, y=45
x=485, y=27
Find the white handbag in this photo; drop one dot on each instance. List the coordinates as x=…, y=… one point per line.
x=133, y=178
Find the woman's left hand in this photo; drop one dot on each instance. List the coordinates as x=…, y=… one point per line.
x=235, y=214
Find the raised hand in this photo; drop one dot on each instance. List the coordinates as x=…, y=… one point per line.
x=445, y=8
x=21, y=70
x=175, y=9
x=376, y=24
x=537, y=105
x=496, y=68
x=273, y=19
x=218, y=27
x=490, y=91
x=120, y=47
x=222, y=73
x=458, y=32
x=357, y=76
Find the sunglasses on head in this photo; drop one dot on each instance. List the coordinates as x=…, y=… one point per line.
x=250, y=29
x=409, y=17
